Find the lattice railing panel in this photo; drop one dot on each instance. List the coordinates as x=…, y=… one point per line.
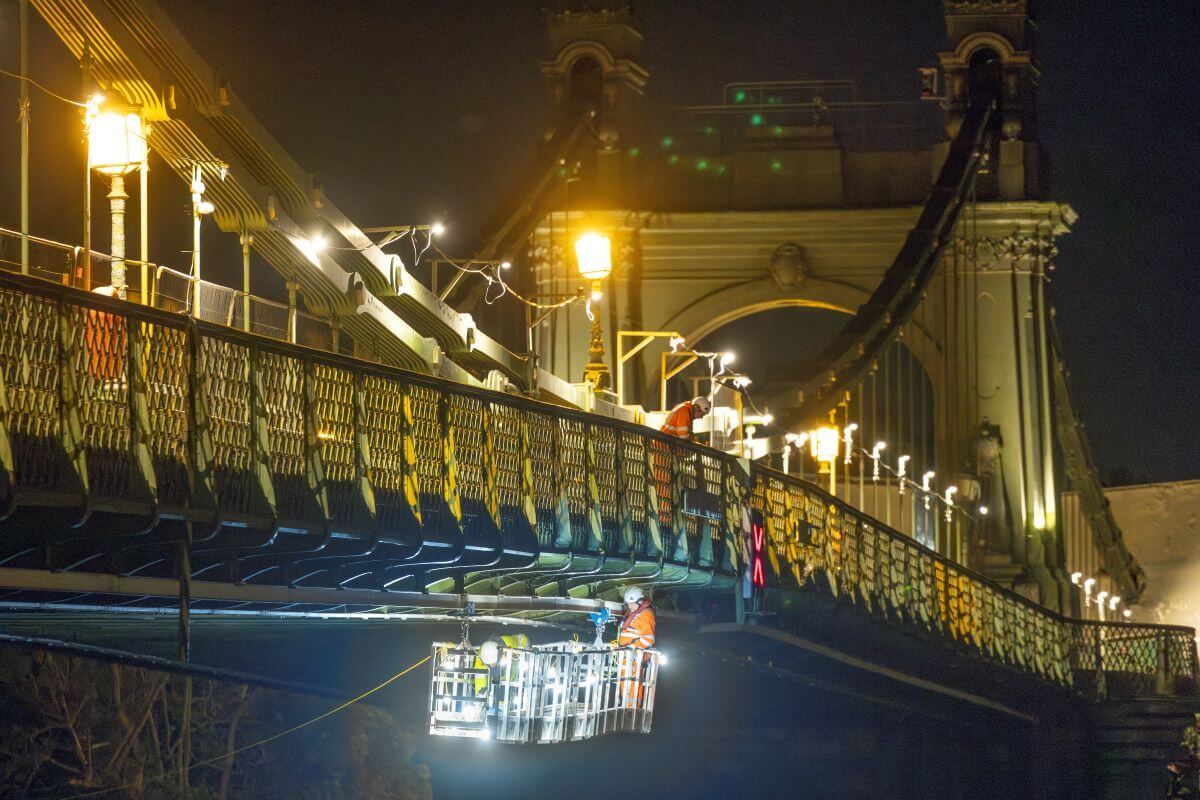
x=506, y=422
x=545, y=468
x=166, y=357
x=635, y=480
x=286, y=412
x=426, y=435
x=466, y=418
x=333, y=407
x=29, y=362
x=604, y=451
x=572, y=453
x=392, y=455
x=99, y=346
x=225, y=368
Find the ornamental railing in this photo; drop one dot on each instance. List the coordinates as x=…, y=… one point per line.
x=126, y=420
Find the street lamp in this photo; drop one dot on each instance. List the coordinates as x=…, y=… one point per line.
x=200, y=207
x=593, y=255
x=116, y=147
x=825, y=441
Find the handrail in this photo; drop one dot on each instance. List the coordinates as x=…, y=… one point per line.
x=187, y=294
x=478, y=461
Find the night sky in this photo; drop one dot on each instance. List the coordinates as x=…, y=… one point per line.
x=414, y=111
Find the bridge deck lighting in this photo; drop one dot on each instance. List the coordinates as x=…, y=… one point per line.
x=437, y=229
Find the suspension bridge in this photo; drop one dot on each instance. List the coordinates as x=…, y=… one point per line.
x=198, y=449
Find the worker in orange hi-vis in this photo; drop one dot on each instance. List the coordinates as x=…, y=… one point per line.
x=679, y=421
x=638, y=625
x=637, y=633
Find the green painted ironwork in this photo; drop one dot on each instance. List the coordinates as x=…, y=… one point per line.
x=118, y=420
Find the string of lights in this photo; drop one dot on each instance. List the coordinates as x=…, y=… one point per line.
x=900, y=475
x=491, y=272
x=42, y=88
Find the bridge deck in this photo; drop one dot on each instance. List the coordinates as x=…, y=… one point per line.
x=134, y=440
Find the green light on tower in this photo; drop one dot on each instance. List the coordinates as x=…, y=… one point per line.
x=756, y=120
x=702, y=165
x=776, y=166
x=667, y=141
x=635, y=151
x=739, y=96
x=674, y=159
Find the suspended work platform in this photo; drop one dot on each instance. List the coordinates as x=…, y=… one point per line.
x=560, y=692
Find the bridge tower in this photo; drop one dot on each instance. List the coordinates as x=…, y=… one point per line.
x=593, y=62
x=1010, y=451
x=592, y=66
x=991, y=54
x=780, y=196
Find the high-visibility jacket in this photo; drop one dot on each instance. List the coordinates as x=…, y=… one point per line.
x=515, y=641
x=679, y=421
x=637, y=627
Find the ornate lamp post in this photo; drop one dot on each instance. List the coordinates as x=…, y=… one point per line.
x=825, y=441
x=593, y=252
x=116, y=147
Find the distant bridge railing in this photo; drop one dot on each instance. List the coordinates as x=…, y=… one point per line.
x=166, y=288
x=126, y=430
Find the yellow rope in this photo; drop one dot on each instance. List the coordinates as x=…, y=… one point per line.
x=280, y=735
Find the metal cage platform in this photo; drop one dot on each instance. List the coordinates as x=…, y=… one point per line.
x=560, y=692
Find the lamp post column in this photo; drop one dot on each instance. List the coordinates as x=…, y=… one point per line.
x=596, y=371
x=116, y=200
x=246, y=240
x=197, y=199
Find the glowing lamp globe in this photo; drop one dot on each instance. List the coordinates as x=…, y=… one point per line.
x=825, y=444
x=116, y=143
x=594, y=254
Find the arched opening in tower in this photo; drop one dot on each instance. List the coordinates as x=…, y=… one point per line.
x=984, y=77
x=895, y=404
x=586, y=82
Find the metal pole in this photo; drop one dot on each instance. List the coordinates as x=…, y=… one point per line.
x=197, y=196
x=24, y=114
x=86, y=66
x=246, y=240
x=144, y=227
x=292, y=286
x=116, y=200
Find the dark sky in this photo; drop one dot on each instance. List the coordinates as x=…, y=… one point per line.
x=410, y=111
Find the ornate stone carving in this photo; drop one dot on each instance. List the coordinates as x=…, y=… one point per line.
x=787, y=266
x=1018, y=250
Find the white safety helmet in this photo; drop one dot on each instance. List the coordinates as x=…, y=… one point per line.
x=489, y=652
x=634, y=594
x=702, y=404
